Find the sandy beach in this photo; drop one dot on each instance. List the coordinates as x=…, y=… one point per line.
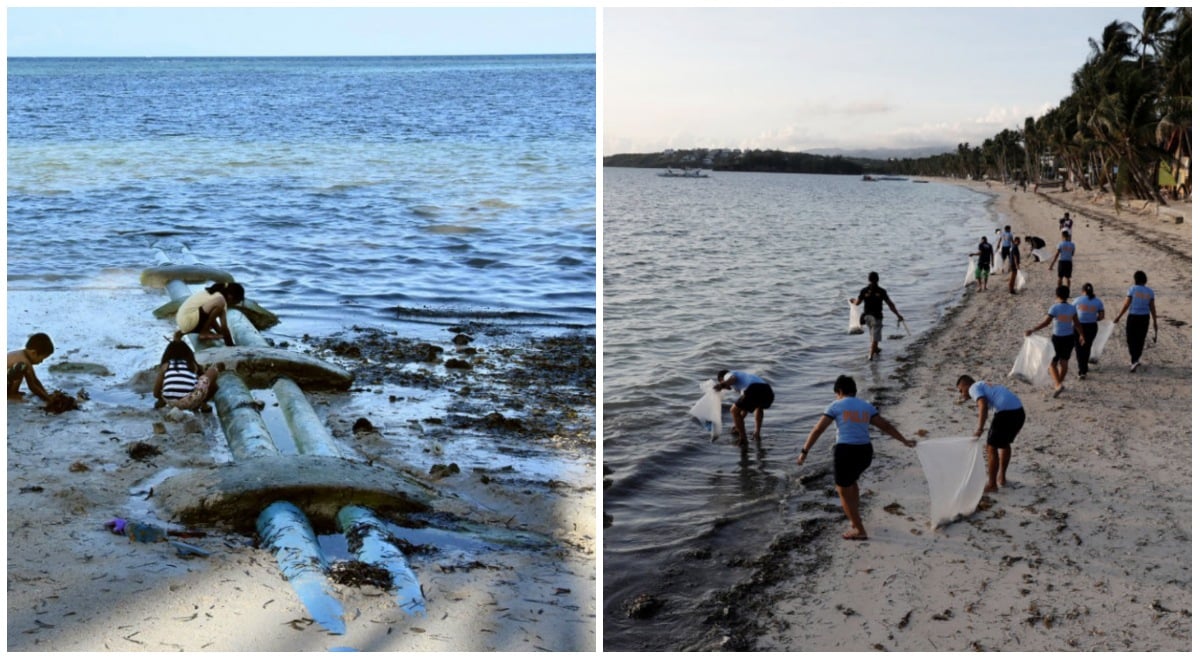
x=1089, y=545
x=74, y=586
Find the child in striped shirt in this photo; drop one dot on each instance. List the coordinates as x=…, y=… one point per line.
x=181, y=382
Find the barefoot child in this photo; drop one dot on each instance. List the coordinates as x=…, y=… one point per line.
x=20, y=365
x=181, y=383
x=204, y=312
x=853, y=452
x=1006, y=423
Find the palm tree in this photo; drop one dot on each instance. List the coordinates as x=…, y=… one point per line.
x=1174, y=131
x=1151, y=34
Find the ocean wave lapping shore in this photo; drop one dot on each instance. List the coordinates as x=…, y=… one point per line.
x=1088, y=548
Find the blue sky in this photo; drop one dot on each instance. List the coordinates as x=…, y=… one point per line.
x=800, y=79
x=294, y=31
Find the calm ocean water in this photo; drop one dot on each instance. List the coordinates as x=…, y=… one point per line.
x=340, y=191
x=745, y=271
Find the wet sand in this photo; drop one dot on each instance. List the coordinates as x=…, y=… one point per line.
x=74, y=586
x=1089, y=545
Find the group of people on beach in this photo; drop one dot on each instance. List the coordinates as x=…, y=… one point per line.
x=1076, y=322
x=1075, y=327
x=181, y=382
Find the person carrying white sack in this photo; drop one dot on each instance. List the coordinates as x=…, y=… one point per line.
x=756, y=396
x=1091, y=312
x=1067, y=333
x=872, y=298
x=1006, y=424
x=983, y=267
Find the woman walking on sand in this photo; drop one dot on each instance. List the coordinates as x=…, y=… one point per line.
x=1091, y=311
x=1139, y=302
x=1067, y=334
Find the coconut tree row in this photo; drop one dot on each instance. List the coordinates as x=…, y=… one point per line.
x=1125, y=124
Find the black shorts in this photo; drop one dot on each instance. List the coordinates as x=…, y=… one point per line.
x=849, y=462
x=1064, y=269
x=1063, y=346
x=1005, y=426
x=758, y=396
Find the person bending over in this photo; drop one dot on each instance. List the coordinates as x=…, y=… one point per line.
x=756, y=397
x=852, y=453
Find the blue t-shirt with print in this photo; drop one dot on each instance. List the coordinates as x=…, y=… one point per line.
x=1066, y=251
x=853, y=418
x=998, y=397
x=743, y=380
x=1063, y=314
x=1088, y=309
x=1141, y=295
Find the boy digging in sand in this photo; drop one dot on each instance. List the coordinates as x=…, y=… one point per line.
x=20, y=365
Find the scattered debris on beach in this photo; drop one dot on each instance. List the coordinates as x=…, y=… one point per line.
x=60, y=402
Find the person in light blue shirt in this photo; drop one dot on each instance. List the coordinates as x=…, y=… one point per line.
x=1140, y=305
x=1067, y=334
x=1006, y=424
x=852, y=453
x=1065, y=256
x=756, y=397
x=1091, y=312
x=1006, y=243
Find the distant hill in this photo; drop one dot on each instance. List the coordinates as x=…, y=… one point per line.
x=738, y=160
x=925, y=161
x=886, y=154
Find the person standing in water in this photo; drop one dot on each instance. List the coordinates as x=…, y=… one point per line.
x=872, y=298
x=852, y=453
x=756, y=397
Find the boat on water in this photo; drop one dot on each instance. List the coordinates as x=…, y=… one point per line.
x=684, y=173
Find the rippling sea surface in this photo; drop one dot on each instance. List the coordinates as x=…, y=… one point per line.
x=411, y=190
x=745, y=271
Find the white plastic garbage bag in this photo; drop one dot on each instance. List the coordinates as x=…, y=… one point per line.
x=1042, y=254
x=1104, y=330
x=1033, y=360
x=1019, y=285
x=708, y=408
x=970, y=272
x=955, y=470
x=855, y=327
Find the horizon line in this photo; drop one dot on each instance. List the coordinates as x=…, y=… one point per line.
x=131, y=57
